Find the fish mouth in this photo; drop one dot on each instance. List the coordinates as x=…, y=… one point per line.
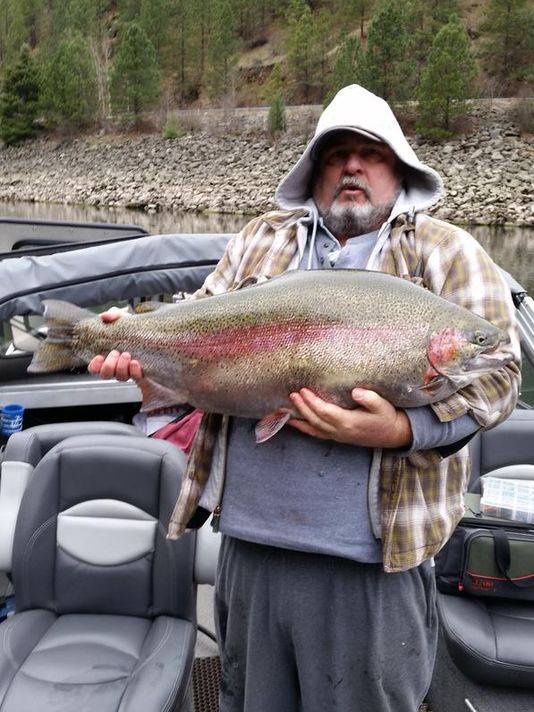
x=489, y=359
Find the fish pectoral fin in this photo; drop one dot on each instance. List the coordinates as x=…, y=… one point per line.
x=434, y=386
x=157, y=396
x=271, y=424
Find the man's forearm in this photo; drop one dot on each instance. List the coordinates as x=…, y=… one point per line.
x=430, y=433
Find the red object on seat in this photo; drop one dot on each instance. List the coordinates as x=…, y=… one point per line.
x=182, y=432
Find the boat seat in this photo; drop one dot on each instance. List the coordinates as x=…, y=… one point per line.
x=22, y=453
x=490, y=639
x=509, y=443
x=105, y=604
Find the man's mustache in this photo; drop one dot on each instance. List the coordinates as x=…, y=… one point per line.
x=352, y=183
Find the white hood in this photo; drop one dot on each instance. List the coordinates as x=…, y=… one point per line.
x=357, y=109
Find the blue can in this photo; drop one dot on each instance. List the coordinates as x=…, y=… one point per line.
x=11, y=419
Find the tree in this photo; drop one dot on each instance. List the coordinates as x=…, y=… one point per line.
x=276, y=119
x=424, y=19
x=13, y=31
x=321, y=39
x=70, y=87
x=153, y=18
x=446, y=82
x=508, y=49
x=223, y=45
x=357, y=10
x=135, y=77
x=19, y=100
x=347, y=66
x=302, y=54
x=388, y=67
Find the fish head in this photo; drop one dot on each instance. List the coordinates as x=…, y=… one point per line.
x=470, y=352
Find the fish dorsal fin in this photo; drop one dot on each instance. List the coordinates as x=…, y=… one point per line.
x=57, y=311
x=157, y=396
x=271, y=424
x=151, y=306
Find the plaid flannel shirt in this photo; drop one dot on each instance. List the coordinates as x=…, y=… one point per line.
x=420, y=496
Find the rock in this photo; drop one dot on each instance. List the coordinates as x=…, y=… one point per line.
x=230, y=171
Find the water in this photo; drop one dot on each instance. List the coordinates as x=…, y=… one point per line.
x=511, y=248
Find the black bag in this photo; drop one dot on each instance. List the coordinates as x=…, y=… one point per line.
x=488, y=559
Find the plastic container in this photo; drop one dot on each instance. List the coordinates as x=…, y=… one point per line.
x=508, y=499
x=11, y=419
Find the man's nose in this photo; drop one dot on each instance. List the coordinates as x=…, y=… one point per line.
x=353, y=164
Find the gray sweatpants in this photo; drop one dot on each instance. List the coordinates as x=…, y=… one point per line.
x=303, y=632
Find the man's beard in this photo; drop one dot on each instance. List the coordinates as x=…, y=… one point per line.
x=353, y=219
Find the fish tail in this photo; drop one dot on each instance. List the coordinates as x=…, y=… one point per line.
x=56, y=352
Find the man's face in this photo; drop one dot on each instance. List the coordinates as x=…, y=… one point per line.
x=356, y=184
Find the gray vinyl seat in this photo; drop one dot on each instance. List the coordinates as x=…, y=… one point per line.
x=105, y=604
x=489, y=639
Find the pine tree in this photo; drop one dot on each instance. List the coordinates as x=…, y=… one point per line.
x=424, y=19
x=321, y=39
x=347, y=66
x=276, y=119
x=223, y=45
x=13, y=31
x=135, y=77
x=446, y=82
x=19, y=100
x=508, y=51
x=154, y=19
x=200, y=11
x=357, y=11
x=302, y=55
x=388, y=67
x=70, y=86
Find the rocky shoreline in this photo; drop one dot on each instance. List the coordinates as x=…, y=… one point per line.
x=231, y=166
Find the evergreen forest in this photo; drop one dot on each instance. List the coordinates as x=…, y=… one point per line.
x=70, y=65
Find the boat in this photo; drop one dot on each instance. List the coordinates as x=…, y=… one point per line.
x=97, y=265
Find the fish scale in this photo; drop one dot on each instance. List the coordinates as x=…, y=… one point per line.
x=243, y=352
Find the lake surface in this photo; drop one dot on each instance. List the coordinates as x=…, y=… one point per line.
x=511, y=248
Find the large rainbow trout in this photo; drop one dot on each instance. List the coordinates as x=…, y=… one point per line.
x=243, y=352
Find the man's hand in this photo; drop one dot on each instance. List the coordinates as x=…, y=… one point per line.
x=374, y=423
x=115, y=365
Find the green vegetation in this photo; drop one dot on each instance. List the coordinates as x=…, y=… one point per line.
x=101, y=61
x=222, y=49
x=347, y=66
x=446, y=81
x=389, y=65
x=508, y=49
x=276, y=119
x=173, y=129
x=19, y=100
x=69, y=84
x=135, y=79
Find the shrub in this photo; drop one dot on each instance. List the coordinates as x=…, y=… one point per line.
x=522, y=114
x=276, y=120
x=173, y=129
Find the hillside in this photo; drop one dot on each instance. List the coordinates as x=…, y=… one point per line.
x=255, y=64
x=213, y=53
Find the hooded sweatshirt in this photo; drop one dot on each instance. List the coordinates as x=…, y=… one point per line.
x=299, y=492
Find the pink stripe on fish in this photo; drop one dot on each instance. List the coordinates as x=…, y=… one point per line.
x=266, y=338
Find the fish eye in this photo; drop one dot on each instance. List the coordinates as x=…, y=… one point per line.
x=480, y=338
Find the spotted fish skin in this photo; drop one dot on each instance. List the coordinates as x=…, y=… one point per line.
x=243, y=352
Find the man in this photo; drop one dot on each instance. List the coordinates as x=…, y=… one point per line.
x=325, y=591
